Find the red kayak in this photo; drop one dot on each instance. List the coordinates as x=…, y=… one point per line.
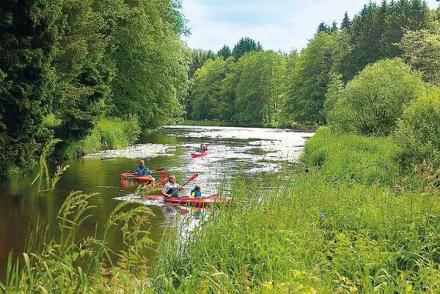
x=126, y=176
x=214, y=199
x=199, y=154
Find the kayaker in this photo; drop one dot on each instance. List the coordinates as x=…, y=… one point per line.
x=203, y=148
x=142, y=170
x=171, y=188
x=196, y=192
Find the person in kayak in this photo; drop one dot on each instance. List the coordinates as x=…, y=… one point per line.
x=196, y=192
x=202, y=148
x=171, y=188
x=142, y=170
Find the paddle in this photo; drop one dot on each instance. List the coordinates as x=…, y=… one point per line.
x=192, y=178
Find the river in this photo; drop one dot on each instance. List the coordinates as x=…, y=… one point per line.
x=230, y=150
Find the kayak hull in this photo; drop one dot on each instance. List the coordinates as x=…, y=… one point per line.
x=141, y=179
x=214, y=199
x=198, y=154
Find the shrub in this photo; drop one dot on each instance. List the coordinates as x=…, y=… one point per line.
x=418, y=133
x=374, y=100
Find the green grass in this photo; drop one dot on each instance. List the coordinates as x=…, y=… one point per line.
x=367, y=160
x=309, y=235
x=109, y=133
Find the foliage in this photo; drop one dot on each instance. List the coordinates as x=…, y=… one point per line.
x=245, y=45
x=308, y=85
x=259, y=91
x=82, y=71
x=418, y=132
x=151, y=64
x=224, y=52
x=334, y=92
x=376, y=30
x=374, y=100
x=421, y=50
x=27, y=49
x=207, y=87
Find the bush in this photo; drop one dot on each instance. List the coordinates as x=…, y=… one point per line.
x=418, y=133
x=374, y=100
x=352, y=157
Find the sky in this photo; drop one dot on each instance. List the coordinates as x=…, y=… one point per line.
x=277, y=24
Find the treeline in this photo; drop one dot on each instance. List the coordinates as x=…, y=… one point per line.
x=66, y=64
x=275, y=89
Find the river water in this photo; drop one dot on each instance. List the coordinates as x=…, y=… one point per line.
x=230, y=150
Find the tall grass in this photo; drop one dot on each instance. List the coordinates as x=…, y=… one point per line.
x=109, y=133
x=367, y=160
x=309, y=236
x=70, y=263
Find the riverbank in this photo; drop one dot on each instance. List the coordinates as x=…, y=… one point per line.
x=309, y=128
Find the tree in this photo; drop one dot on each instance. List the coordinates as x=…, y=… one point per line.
x=374, y=100
x=418, y=132
x=258, y=93
x=151, y=64
x=83, y=72
x=346, y=23
x=323, y=28
x=29, y=32
x=308, y=85
x=334, y=93
x=245, y=45
x=421, y=50
x=206, y=89
x=225, y=52
x=198, y=59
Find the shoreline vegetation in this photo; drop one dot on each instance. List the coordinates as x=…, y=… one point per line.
x=308, y=128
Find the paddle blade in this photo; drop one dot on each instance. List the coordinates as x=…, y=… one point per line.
x=164, y=176
x=192, y=178
x=159, y=169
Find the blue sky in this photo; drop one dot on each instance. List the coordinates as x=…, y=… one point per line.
x=277, y=24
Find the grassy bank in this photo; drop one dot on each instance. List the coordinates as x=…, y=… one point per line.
x=109, y=133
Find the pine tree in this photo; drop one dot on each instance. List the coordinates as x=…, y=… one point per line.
x=346, y=23
x=28, y=34
x=225, y=52
x=323, y=27
x=245, y=45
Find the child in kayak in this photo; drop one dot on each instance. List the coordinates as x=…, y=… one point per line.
x=142, y=170
x=196, y=192
x=171, y=188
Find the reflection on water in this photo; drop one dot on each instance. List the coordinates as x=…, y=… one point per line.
x=230, y=150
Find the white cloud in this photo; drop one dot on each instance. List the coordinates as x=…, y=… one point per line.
x=282, y=24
